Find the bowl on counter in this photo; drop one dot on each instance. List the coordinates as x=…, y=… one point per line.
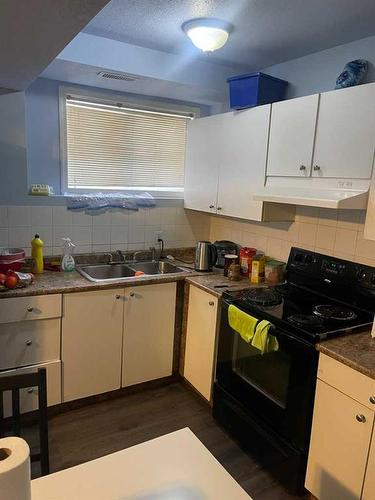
x=11, y=259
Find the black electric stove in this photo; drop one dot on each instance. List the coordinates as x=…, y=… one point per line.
x=305, y=313
x=266, y=400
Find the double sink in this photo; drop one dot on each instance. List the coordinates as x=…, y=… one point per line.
x=122, y=271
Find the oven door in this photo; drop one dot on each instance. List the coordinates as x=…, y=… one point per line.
x=276, y=388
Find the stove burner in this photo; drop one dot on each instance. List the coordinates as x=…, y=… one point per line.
x=263, y=297
x=304, y=320
x=337, y=313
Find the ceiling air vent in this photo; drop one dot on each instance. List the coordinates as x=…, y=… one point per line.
x=118, y=76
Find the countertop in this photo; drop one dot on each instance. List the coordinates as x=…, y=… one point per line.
x=216, y=283
x=51, y=282
x=176, y=465
x=68, y=282
x=356, y=350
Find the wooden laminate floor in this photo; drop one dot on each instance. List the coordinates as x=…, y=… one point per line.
x=96, y=430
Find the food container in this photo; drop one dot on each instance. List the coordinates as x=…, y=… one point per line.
x=234, y=272
x=228, y=260
x=246, y=259
x=274, y=271
x=11, y=259
x=257, y=269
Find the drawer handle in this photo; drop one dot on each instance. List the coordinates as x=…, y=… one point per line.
x=131, y=294
x=30, y=390
x=30, y=309
x=302, y=167
x=316, y=168
x=372, y=400
x=361, y=418
x=29, y=342
x=118, y=297
x=211, y=303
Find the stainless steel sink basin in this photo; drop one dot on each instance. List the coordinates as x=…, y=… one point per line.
x=123, y=272
x=157, y=267
x=106, y=272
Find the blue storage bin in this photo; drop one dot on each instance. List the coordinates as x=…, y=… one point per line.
x=255, y=89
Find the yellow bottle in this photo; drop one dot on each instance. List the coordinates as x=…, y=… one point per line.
x=37, y=254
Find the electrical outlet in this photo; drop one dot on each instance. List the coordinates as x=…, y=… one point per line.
x=345, y=184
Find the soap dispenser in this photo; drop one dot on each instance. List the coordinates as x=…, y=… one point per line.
x=67, y=262
x=37, y=254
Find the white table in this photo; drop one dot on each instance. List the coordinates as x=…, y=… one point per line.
x=173, y=467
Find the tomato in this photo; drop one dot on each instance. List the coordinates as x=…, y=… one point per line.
x=3, y=277
x=11, y=281
x=139, y=273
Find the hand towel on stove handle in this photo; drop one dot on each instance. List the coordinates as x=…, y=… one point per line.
x=252, y=330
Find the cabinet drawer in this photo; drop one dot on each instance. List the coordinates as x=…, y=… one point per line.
x=29, y=396
x=30, y=308
x=347, y=380
x=29, y=342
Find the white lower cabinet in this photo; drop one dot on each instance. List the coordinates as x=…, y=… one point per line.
x=91, y=342
x=149, y=324
x=29, y=396
x=341, y=461
x=201, y=340
x=116, y=338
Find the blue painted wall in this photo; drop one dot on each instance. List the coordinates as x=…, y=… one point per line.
x=42, y=127
x=318, y=72
x=314, y=73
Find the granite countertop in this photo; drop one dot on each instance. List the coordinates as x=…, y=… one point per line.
x=216, y=283
x=59, y=282
x=356, y=350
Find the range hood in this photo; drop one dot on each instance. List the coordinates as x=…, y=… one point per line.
x=313, y=197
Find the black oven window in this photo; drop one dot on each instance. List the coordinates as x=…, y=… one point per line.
x=268, y=373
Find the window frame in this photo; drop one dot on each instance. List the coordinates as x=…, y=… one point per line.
x=126, y=100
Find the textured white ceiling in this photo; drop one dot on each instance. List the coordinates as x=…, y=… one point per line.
x=34, y=32
x=265, y=32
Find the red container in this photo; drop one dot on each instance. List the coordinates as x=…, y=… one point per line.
x=246, y=259
x=11, y=259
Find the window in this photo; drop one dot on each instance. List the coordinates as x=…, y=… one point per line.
x=116, y=146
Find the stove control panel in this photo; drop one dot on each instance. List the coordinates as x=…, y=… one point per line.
x=333, y=267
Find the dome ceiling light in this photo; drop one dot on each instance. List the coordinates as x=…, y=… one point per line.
x=208, y=34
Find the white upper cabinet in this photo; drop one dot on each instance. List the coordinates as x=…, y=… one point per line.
x=243, y=162
x=345, y=134
x=202, y=163
x=291, y=140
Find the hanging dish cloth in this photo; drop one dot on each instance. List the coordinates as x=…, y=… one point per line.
x=242, y=323
x=262, y=338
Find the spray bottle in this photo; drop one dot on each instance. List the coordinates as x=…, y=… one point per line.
x=67, y=262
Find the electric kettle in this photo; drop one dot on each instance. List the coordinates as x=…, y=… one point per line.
x=205, y=256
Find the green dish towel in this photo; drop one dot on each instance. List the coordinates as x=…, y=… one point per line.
x=242, y=323
x=263, y=340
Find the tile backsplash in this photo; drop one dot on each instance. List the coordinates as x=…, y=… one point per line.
x=331, y=232
x=111, y=230
x=327, y=231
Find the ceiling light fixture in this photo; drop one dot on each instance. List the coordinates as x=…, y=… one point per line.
x=208, y=34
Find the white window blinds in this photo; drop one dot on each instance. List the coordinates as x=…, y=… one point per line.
x=121, y=148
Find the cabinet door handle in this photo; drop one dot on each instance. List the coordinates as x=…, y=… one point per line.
x=372, y=400
x=118, y=297
x=30, y=309
x=316, y=168
x=219, y=208
x=361, y=418
x=302, y=168
x=30, y=390
x=131, y=294
x=211, y=206
x=211, y=303
x=28, y=342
